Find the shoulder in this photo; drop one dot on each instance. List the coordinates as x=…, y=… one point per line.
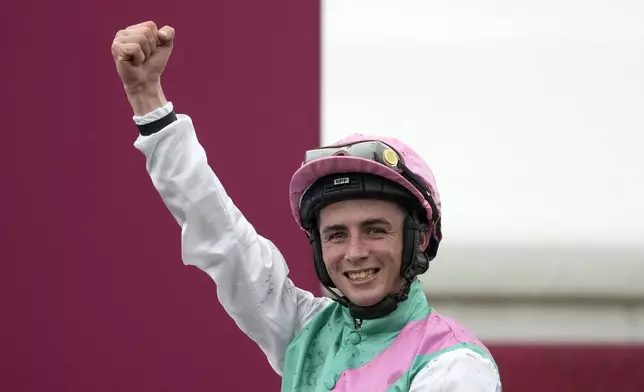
x=451, y=358
x=442, y=333
x=462, y=370
x=439, y=323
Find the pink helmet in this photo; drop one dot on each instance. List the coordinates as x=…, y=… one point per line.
x=380, y=156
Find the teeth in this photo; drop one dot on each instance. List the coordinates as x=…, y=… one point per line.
x=362, y=275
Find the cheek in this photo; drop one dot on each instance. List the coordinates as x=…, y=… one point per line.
x=390, y=253
x=332, y=256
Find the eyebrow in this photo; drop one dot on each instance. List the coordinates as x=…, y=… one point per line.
x=376, y=221
x=366, y=223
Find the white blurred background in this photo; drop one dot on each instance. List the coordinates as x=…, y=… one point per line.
x=531, y=114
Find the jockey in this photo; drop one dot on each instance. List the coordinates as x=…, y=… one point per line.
x=371, y=211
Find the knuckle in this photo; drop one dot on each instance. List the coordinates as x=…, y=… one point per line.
x=147, y=24
x=118, y=47
x=148, y=33
x=124, y=39
x=141, y=39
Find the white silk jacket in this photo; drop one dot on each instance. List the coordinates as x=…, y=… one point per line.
x=310, y=341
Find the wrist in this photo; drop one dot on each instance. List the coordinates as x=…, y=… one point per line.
x=145, y=99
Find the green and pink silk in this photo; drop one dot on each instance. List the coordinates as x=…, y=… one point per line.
x=312, y=342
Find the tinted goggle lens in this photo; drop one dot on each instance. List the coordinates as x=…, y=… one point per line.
x=372, y=150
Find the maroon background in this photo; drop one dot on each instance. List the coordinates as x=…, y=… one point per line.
x=93, y=295
x=570, y=367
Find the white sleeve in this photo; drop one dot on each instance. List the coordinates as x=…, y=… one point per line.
x=461, y=370
x=154, y=115
x=250, y=273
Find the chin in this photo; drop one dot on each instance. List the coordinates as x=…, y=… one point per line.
x=366, y=301
x=365, y=297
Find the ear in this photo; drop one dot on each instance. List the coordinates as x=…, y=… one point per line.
x=423, y=240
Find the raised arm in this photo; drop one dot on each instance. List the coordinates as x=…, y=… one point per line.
x=250, y=273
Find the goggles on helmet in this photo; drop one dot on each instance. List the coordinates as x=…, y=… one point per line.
x=381, y=153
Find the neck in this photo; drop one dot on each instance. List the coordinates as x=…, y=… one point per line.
x=414, y=307
x=381, y=309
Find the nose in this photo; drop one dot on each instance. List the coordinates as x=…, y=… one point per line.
x=356, y=250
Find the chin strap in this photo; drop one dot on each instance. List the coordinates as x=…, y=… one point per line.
x=386, y=306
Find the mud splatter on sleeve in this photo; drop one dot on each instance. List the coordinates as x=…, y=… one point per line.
x=250, y=273
x=460, y=370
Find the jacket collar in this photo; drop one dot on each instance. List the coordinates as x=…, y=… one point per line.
x=414, y=308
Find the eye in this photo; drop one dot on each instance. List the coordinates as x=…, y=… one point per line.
x=335, y=236
x=376, y=230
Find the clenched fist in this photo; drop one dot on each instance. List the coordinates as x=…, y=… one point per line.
x=141, y=53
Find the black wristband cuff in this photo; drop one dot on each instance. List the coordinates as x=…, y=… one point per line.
x=156, y=126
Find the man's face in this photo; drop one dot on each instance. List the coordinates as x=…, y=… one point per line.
x=362, y=248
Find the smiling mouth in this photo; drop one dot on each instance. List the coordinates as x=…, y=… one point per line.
x=361, y=275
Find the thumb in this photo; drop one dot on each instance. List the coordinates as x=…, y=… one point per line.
x=166, y=36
